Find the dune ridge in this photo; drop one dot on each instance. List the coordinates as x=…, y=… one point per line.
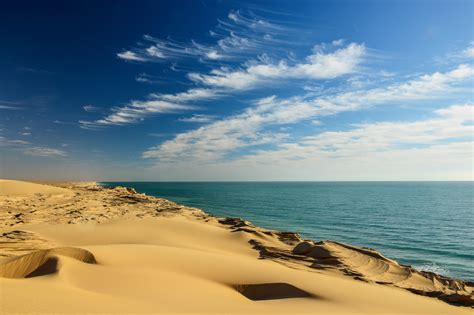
x=154, y=253
x=41, y=262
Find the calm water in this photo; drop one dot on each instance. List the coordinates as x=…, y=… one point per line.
x=425, y=224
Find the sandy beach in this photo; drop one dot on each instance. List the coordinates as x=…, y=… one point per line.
x=82, y=248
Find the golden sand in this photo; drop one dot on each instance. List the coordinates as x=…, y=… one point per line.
x=81, y=248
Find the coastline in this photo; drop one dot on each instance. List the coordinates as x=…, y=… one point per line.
x=407, y=222
x=52, y=219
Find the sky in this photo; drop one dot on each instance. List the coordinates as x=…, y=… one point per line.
x=237, y=90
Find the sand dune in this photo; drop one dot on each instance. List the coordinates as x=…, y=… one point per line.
x=41, y=262
x=18, y=188
x=96, y=250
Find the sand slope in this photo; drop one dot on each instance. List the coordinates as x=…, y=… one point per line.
x=41, y=262
x=150, y=255
x=18, y=188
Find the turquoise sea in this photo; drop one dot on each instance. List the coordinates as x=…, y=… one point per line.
x=429, y=225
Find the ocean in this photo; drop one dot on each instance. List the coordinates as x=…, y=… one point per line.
x=428, y=225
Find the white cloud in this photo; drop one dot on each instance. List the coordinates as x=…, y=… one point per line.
x=241, y=34
x=469, y=51
x=457, y=55
x=91, y=108
x=330, y=65
x=322, y=64
x=171, y=49
x=156, y=104
x=244, y=31
x=451, y=161
x=60, y=122
x=154, y=51
x=196, y=118
x=130, y=56
x=135, y=111
x=251, y=21
x=451, y=123
x=7, y=142
x=30, y=149
x=10, y=105
x=213, y=141
x=194, y=94
x=437, y=148
x=158, y=135
x=44, y=152
x=147, y=78
x=214, y=55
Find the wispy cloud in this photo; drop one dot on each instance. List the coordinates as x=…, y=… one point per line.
x=197, y=118
x=13, y=105
x=450, y=124
x=45, y=152
x=242, y=33
x=150, y=79
x=469, y=51
x=130, y=56
x=432, y=148
x=194, y=94
x=322, y=64
x=31, y=149
x=12, y=142
x=135, y=111
x=8, y=107
x=459, y=54
x=60, y=122
x=156, y=104
x=91, y=109
x=158, y=135
x=215, y=140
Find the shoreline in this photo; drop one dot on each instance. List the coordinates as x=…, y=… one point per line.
x=287, y=249
x=413, y=230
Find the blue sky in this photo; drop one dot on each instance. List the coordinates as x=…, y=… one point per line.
x=237, y=90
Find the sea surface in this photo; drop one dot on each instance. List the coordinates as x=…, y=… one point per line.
x=429, y=225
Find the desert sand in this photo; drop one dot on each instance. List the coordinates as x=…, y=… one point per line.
x=82, y=248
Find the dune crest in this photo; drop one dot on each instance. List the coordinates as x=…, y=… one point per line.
x=41, y=262
x=19, y=188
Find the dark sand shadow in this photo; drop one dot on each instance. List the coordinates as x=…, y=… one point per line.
x=50, y=266
x=271, y=291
